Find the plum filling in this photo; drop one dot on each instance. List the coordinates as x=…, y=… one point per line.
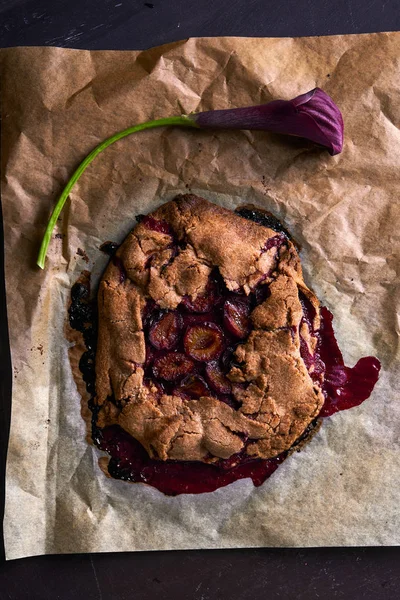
x=217, y=380
x=237, y=316
x=202, y=342
x=154, y=224
x=164, y=332
x=193, y=386
x=343, y=387
x=189, y=352
x=130, y=462
x=204, y=303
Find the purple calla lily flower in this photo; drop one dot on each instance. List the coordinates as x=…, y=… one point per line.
x=313, y=116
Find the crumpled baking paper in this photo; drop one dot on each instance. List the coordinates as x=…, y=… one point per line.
x=57, y=104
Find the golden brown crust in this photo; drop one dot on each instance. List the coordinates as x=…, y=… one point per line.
x=280, y=399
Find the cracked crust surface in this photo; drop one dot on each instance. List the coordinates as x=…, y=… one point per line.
x=277, y=398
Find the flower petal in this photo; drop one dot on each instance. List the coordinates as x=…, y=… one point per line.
x=313, y=116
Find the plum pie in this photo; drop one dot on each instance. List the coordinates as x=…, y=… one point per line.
x=208, y=358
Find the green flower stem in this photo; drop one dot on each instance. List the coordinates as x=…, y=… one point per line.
x=183, y=120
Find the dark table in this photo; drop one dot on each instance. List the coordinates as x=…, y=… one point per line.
x=369, y=573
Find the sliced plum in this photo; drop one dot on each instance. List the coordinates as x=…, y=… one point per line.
x=217, y=379
x=164, y=333
x=237, y=316
x=156, y=224
x=206, y=302
x=261, y=292
x=192, y=386
x=172, y=366
x=203, y=342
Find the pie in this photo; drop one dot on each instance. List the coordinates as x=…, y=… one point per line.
x=213, y=358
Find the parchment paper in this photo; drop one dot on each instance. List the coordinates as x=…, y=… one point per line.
x=57, y=104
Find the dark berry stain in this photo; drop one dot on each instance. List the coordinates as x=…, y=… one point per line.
x=265, y=219
x=109, y=248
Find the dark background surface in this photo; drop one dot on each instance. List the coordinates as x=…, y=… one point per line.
x=371, y=573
